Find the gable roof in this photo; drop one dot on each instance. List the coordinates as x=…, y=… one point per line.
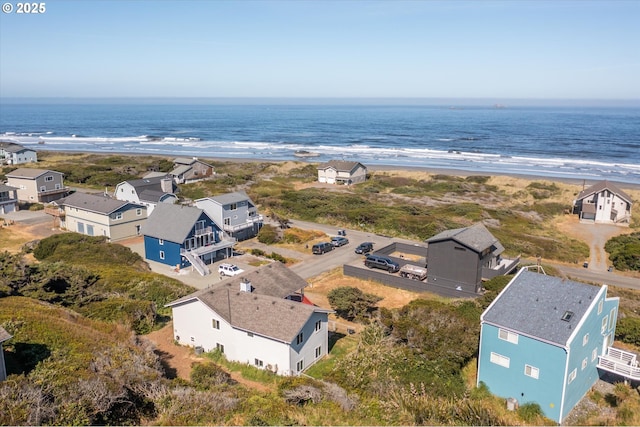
x=94, y=203
x=12, y=147
x=153, y=196
x=225, y=199
x=533, y=304
x=153, y=183
x=187, y=161
x=476, y=237
x=263, y=311
x=4, y=335
x=30, y=173
x=171, y=222
x=603, y=185
x=341, y=166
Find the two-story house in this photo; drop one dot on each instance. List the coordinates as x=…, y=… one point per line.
x=8, y=199
x=248, y=324
x=99, y=215
x=460, y=258
x=541, y=340
x=605, y=203
x=183, y=236
x=235, y=213
x=190, y=170
x=37, y=185
x=15, y=154
x=4, y=336
x=148, y=192
x=342, y=172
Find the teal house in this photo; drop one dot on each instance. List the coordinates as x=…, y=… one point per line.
x=541, y=341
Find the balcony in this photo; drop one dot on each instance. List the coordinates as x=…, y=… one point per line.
x=250, y=222
x=54, y=211
x=620, y=362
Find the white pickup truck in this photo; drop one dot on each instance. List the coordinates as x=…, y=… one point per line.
x=413, y=272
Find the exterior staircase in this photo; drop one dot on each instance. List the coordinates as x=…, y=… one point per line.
x=197, y=263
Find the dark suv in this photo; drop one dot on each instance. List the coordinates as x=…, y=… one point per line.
x=364, y=248
x=381, y=262
x=321, y=248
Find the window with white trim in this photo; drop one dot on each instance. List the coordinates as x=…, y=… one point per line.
x=584, y=363
x=594, y=354
x=499, y=359
x=612, y=318
x=605, y=320
x=48, y=178
x=509, y=336
x=585, y=339
x=572, y=376
x=299, y=338
x=300, y=365
x=138, y=211
x=161, y=254
x=318, y=351
x=531, y=371
x=318, y=325
x=220, y=347
x=600, y=303
x=161, y=242
x=215, y=323
x=259, y=363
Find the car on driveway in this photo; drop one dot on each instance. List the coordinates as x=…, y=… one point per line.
x=381, y=262
x=364, y=248
x=229, y=270
x=339, y=241
x=320, y=248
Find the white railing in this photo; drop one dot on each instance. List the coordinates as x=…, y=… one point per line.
x=620, y=362
x=197, y=263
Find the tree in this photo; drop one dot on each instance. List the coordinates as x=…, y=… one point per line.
x=351, y=303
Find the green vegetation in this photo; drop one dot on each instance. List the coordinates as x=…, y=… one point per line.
x=351, y=303
x=624, y=251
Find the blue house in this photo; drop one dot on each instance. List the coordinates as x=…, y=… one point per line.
x=184, y=236
x=541, y=340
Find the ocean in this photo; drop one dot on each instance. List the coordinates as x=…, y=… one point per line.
x=581, y=143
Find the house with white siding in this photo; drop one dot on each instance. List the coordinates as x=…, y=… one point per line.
x=251, y=319
x=15, y=154
x=342, y=172
x=603, y=202
x=148, y=191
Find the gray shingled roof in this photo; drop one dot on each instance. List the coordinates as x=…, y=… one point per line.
x=257, y=312
x=153, y=183
x=30, y=173
x=179, y=170
x=12, y=147
x=4, y=335
x=340, y=165
x=94, y=203
x=604, y=185
x=4, y=187
x=533, y=304
x=476, y=237
x=184, y=161
x=225, y=199
x=171, y=222
x=153, y=196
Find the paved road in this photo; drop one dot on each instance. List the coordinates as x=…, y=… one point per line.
x=598, y=277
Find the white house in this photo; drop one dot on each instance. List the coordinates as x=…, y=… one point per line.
x=342, y=172
x=235, y=213
x=603, y=202
x=249, y=326
x=15, y=154
x=148, y=191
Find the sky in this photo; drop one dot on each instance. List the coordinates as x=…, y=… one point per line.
x=323, y=49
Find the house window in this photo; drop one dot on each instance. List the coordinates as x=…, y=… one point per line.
x=57, y=186
x=605, y=320
x=43, y=188
x=138, y=212
x=299, y=338
x=503, y=334
x=594, y=354
x=572, y=376
x=531, y=371
x=318, y=325
x=499, y=359
x=300, y=365
x=250, y=334
x=227, y=221
x=90, y=230
x=318, y=352
x=161, y=242
x=220, y=348
x=48, y=178
x=584, y=363
x=233, y=206
x=585, y=339
x=612, y=318
x=116, y=216
x=600, y=306
x=215, y=323
x=567, y=316
x=81, y=227
x=259, y=363
x=161, y=254
x=192, y=339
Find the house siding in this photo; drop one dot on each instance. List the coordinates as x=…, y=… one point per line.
x=30, y=190
x=172, y=257
x=448, y=266
x=512, y=381
x=103, y=224
x=239, y=223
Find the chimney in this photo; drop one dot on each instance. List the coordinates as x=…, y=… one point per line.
x=166, y=184
x=245, y=285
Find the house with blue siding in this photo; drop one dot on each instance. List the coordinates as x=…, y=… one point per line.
x=541, y=340
x=183, y=236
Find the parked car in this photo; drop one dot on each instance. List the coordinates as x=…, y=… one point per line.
x=321, y=248
x=339, y=241
x=229, y=270
x=364, y=248
x=381, y=262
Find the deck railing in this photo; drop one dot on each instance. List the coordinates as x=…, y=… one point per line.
x=620, y=362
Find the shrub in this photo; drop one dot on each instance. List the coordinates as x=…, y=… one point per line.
x=624, y=251
x=351, y=303
x=268, y=235
x=205, y=376
x=628, y=330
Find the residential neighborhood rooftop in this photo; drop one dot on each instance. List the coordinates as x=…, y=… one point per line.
x=603, y=185
x=171, y=222
x=540, y=306
x=93, y=202
x=30, y=173
x=476, y=237
x=225, y=199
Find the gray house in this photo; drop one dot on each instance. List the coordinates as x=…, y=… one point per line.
x=235, y=213
x=342, y=172
x=8, y=199
x=15, y=154
x=37, y=185
x=190, y=170
x=4, y=335
x=462, y=257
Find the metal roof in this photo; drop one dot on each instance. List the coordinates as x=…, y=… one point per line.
x=534, y=304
